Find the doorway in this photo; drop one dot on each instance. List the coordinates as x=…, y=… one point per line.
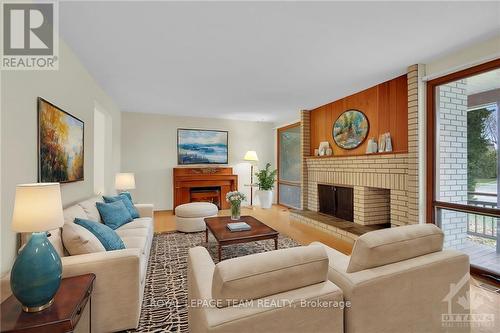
x=289, y=166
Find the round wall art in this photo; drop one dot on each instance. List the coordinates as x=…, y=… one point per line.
x=350, y=129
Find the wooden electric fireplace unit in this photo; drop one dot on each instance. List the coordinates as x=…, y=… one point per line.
x=209, y=184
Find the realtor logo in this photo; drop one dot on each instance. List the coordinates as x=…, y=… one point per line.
x=29, y=36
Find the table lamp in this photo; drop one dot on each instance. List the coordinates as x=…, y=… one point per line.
x=251, y=156
x=36, y=274
x=124, y=182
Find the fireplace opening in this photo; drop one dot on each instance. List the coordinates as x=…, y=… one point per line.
x=206, y=194
x=336, y=201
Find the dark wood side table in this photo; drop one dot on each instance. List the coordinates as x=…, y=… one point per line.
x=218, y=227
x=69, y=312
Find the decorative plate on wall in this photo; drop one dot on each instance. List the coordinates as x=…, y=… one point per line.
x=350, y=129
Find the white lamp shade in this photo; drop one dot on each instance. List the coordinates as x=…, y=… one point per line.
x=37, y=208
x=124, y=181
x=251, y=155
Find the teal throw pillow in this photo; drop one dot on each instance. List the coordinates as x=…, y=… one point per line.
x=128, y=203
x=107, y=236
x=129, y=196
x=114, y=214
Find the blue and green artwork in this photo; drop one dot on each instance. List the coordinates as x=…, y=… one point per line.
x=196, y=146
x=350, y=129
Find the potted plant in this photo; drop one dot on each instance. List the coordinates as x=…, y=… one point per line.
x=265, y=181
x=235, y=198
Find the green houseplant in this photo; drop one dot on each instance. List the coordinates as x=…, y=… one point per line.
x=265, y=181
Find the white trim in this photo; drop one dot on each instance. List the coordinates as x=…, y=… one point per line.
x=482, y=106
x=287, y=124
x=461, y=67
x=422, y=144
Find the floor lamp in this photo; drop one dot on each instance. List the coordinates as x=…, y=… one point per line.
x=251, y=156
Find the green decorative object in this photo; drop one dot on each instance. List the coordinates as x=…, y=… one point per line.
x=350, y=129
x=266, y=178
x=235, y=198
x=235, y=211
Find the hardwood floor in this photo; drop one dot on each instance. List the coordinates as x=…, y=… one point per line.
x=483, y=300
x=277, y=218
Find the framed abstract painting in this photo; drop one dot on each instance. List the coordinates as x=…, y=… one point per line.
x=195, y=146
x=60, y=144
x=350, y=129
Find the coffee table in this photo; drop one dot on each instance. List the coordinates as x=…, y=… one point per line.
x=218, y=227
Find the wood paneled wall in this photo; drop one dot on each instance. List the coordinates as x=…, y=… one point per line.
x=385, y=106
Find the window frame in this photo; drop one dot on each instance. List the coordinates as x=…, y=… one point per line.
x=432, y=205
x=278, y=155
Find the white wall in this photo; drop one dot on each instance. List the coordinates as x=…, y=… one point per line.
x=75, y=91
x=99, y=150
x=149, y=149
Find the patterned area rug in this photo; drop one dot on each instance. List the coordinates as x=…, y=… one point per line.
x=164, y=308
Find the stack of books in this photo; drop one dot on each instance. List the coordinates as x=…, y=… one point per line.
x=238, y=226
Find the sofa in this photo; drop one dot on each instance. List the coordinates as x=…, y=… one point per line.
x=401, y=280
x=285, y=290
x=120, y=274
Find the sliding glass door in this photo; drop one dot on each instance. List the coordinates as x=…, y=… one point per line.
x=464, y=163
x=289, y=165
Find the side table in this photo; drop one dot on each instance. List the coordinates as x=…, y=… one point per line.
x=70, y=312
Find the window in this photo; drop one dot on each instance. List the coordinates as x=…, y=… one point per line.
x=463, y=162
x=289, y=165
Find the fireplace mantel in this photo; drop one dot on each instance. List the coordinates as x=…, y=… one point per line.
x=185, y=179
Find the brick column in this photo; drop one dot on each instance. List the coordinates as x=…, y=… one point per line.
x=412, y=213
x=305, y=135
x=452, y=157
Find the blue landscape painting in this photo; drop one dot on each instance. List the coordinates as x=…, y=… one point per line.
x=201, y=146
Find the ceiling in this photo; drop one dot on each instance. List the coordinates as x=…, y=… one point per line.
x=260, y=61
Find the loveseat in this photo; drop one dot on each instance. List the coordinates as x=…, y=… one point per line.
x=401, y=280
x=120, y=274
x=285, y=290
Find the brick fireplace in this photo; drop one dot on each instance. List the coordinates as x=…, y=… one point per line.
x=379, y=181
x=385, y=185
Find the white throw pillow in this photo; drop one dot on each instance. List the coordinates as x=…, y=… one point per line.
x=90, y=208
x=78, y=240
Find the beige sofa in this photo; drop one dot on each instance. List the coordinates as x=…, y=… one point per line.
x=279, y=291
x=120, y=274
x=400, y=280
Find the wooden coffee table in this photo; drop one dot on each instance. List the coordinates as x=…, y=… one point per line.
x=218, y=227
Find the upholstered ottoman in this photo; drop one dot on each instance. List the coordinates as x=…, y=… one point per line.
x=190, y=217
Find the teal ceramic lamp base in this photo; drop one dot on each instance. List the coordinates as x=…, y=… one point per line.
x=36, y=274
